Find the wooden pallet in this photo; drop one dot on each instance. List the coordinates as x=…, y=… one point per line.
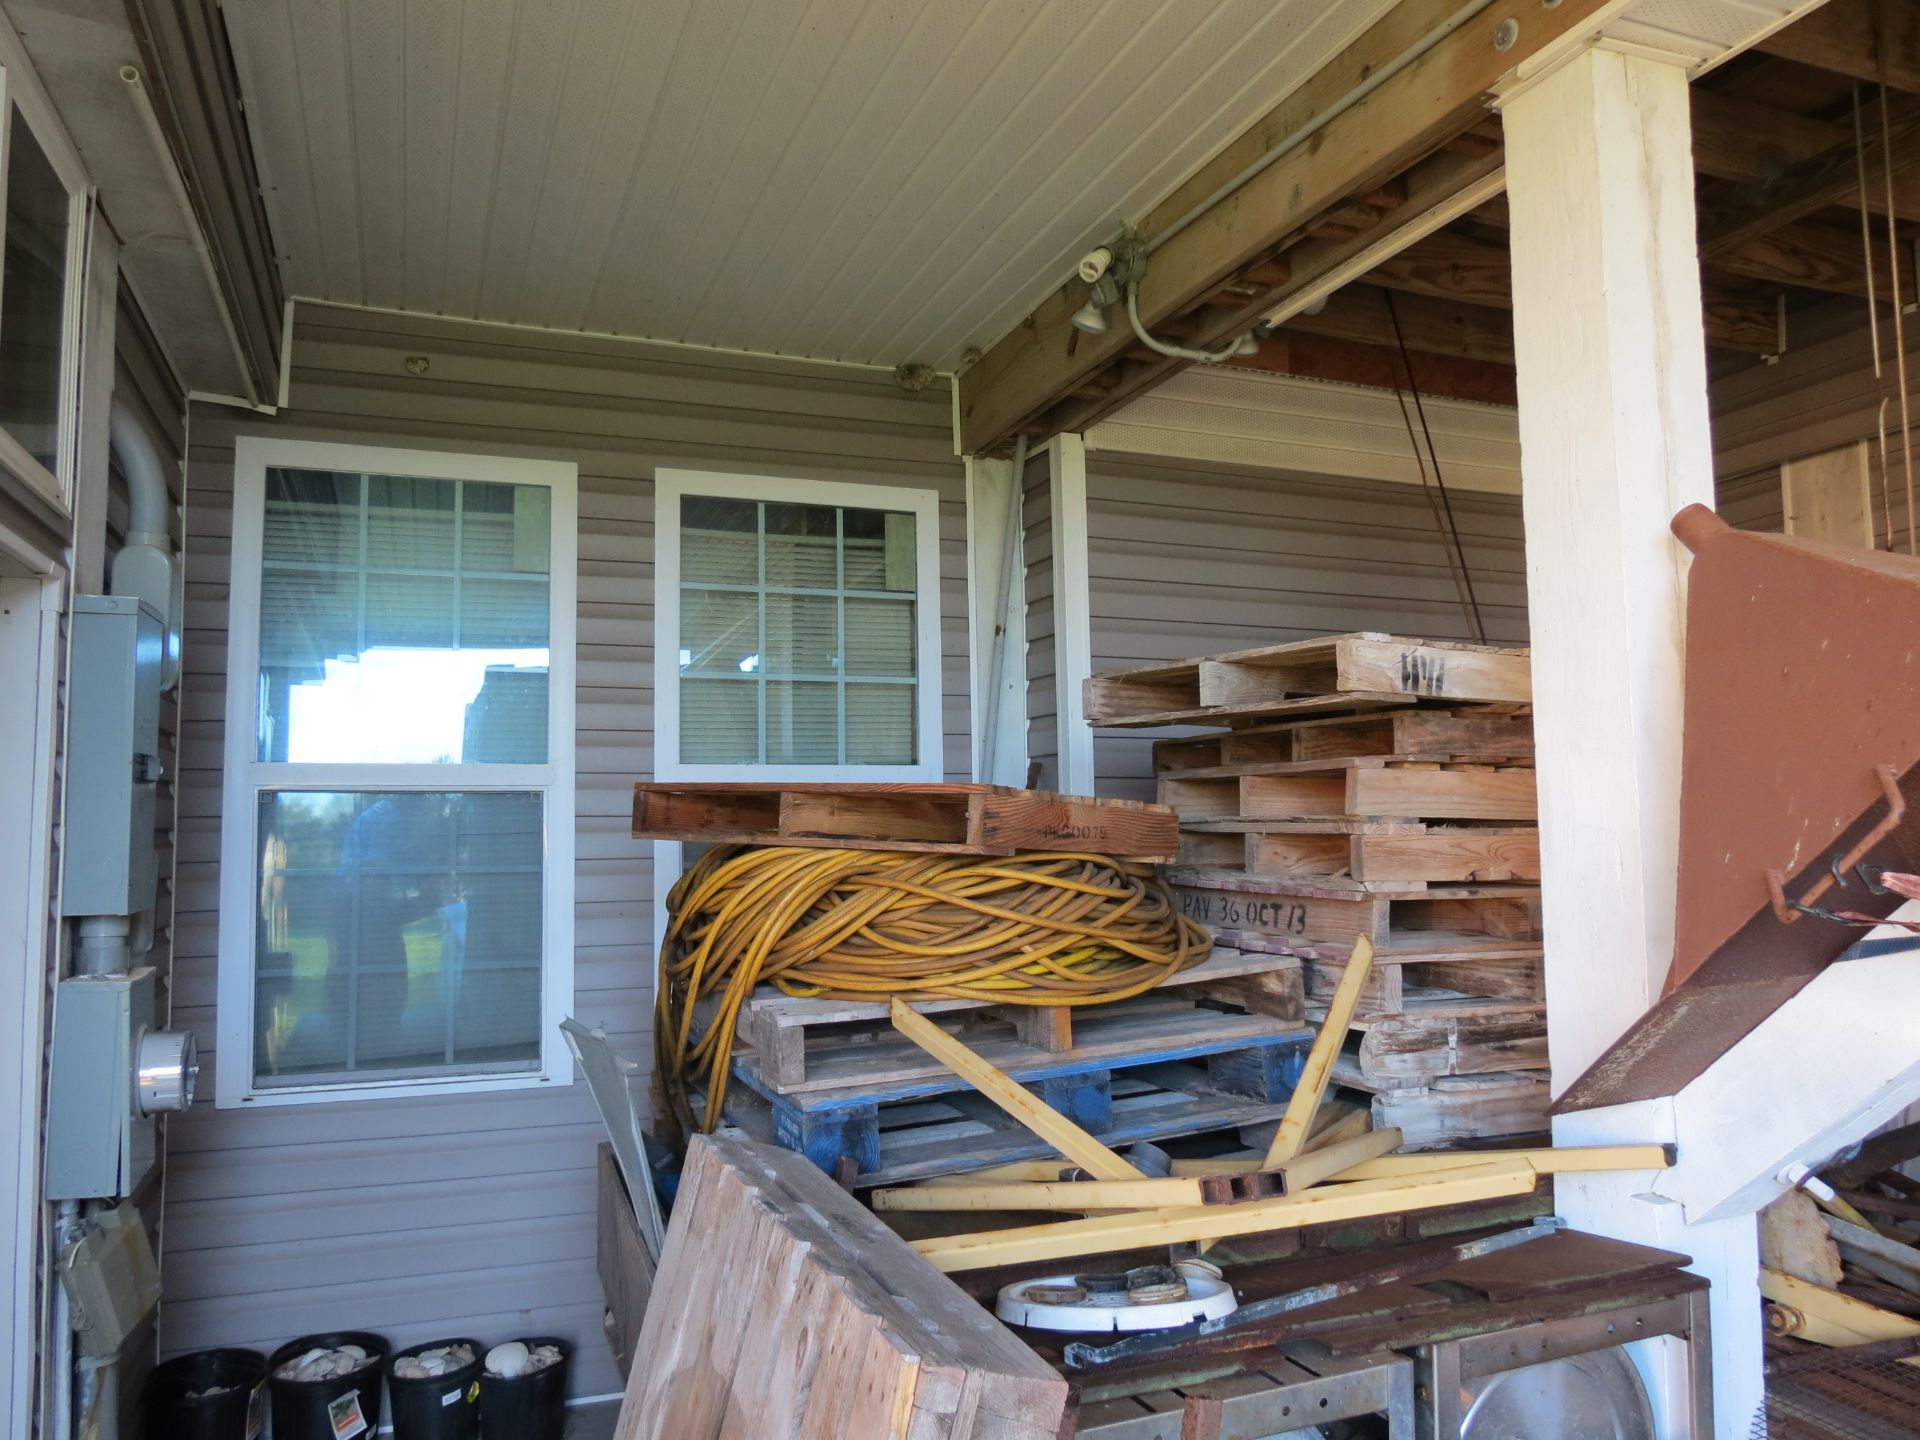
x=1384, y=855
x=947, y=819
x=1395, y=985
x=1460, y=1107
x=1286, y=917
x=1484, y=733
x=958, y=1132
x=1341, y=672
x=1438, y=1036
x=857, y=1069
x=1362, y=788
x=782, y=1031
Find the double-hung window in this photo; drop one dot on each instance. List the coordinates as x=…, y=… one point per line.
x=798, y=629
x=398, y=819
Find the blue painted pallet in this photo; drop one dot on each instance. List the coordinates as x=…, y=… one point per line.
x=1147, y=1073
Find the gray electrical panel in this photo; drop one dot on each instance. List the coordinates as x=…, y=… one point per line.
x=113, y=756
x=98, y=1144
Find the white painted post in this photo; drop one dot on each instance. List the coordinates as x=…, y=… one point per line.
x=1072, y=609
x=1613, y=440
x=996, y=623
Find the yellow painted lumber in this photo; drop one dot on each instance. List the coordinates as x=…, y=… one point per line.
x=1826, y=1317
x=1323, y=1204
x=1019, y=1102
x=1546, y=1160
x=1336, y=1161
x=1292, y=1134
x=1082, y=1195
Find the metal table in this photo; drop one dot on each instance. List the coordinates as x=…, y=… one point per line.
x=1442, y=1367
x=1304, y=1385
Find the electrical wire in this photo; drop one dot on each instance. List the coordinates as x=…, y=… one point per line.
x=1171, y=351
x=1899, y=312
x=1873, y=312
x=1042, y=928
x=1442, y=506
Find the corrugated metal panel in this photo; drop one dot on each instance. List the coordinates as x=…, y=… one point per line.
x=473, y=1215
x=1191, y=561
x=876, y=183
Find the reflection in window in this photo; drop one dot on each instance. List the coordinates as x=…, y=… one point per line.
x=797, y=635
x=33, y=290
x=403, y=620
x=399, y=934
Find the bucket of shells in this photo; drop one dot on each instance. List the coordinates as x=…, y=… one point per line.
x=523, y=1389
x=326, y=1387
x=435, y=1391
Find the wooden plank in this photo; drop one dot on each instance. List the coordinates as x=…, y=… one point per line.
x=1438, y=794
x=1456, y=854
x=828, y=1324
x=1321, y=1205
x=1467, y=1107
x=1804, y=188
x=1826, y=1317
x=1321, y=357
x=1438, y=325
x=1337, y=1160
x=1046, y=1194
x=625, y=1268
x=1313, y=1080
x=1866, y=40
x=1366, y=663
x=1039, y=1117
x=1829, y=496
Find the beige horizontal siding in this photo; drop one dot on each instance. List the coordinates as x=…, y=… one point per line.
x=473, y=1215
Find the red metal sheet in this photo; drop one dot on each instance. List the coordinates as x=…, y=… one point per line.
x=1802, y=693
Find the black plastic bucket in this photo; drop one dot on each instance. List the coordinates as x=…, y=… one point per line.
x=437, y=1407
x=178, y=1406
x=327, y=1409
x=527, y=1407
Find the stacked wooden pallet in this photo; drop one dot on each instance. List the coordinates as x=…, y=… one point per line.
x=1379, y=786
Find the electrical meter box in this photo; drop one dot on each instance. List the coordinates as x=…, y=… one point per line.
x=113, y=756
x=98, y=1143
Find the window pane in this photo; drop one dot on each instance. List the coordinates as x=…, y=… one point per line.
x=403, y=620
x=802, y=723
x=719, y=722
x=719, y=631
x=879, y=637
x=803, y=546
x=719, y=540
x=399, y=935
x=802, y=635
x=804, y=646
x=33, y=297
x=880, y=725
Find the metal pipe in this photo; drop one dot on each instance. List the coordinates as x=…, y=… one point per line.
x=1003, y=612
x=146, y=567
x=105, y=945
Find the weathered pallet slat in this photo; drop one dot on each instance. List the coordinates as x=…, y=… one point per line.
x=1411, y=856
x=1351, y=672
x=1353, y=789
x=1493, y=733
x=1397, y=985
x=948, y=819
x=1288, y=917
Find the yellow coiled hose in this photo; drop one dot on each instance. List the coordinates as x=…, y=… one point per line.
x=1032, y=929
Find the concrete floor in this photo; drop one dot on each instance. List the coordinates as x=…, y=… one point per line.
x=593, y=1422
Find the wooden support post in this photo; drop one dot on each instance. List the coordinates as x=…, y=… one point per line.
x=996, y=622
x=1614, y=440
x=1292, y=1134
x=1038, y=1116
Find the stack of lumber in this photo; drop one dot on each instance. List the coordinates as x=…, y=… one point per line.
x=1379, y=786
x=783, y=1307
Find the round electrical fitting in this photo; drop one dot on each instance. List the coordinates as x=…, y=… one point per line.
x=166, y=1069
x=1504, y=36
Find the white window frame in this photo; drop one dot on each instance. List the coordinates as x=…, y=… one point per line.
x=20, y=90
x=924, y=504
x=246, y=775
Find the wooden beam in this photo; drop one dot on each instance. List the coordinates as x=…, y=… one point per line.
x=1816, y=257
x=1291, y=1135
x=1102, y=1234
x=1545, y=1160
x=1738, y=214
x=1735, y=138
x=1072, y=1195
x=1453, y=266
x=1866, y=40
x=1439, y=326
x=1348, y=362
x=1418, y=106
x=1018, y=1101
x=1336, y=1161
x=1831, y=1318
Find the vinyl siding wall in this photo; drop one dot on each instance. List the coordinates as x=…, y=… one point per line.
x=451, y=1215
x=1189, y=560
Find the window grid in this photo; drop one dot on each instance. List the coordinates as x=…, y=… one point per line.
x=840, y=594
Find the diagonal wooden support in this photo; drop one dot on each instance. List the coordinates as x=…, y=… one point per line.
x=1292, y=1133
x=1019, y=1102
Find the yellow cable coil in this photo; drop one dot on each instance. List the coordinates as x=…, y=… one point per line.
x=1033, y=929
